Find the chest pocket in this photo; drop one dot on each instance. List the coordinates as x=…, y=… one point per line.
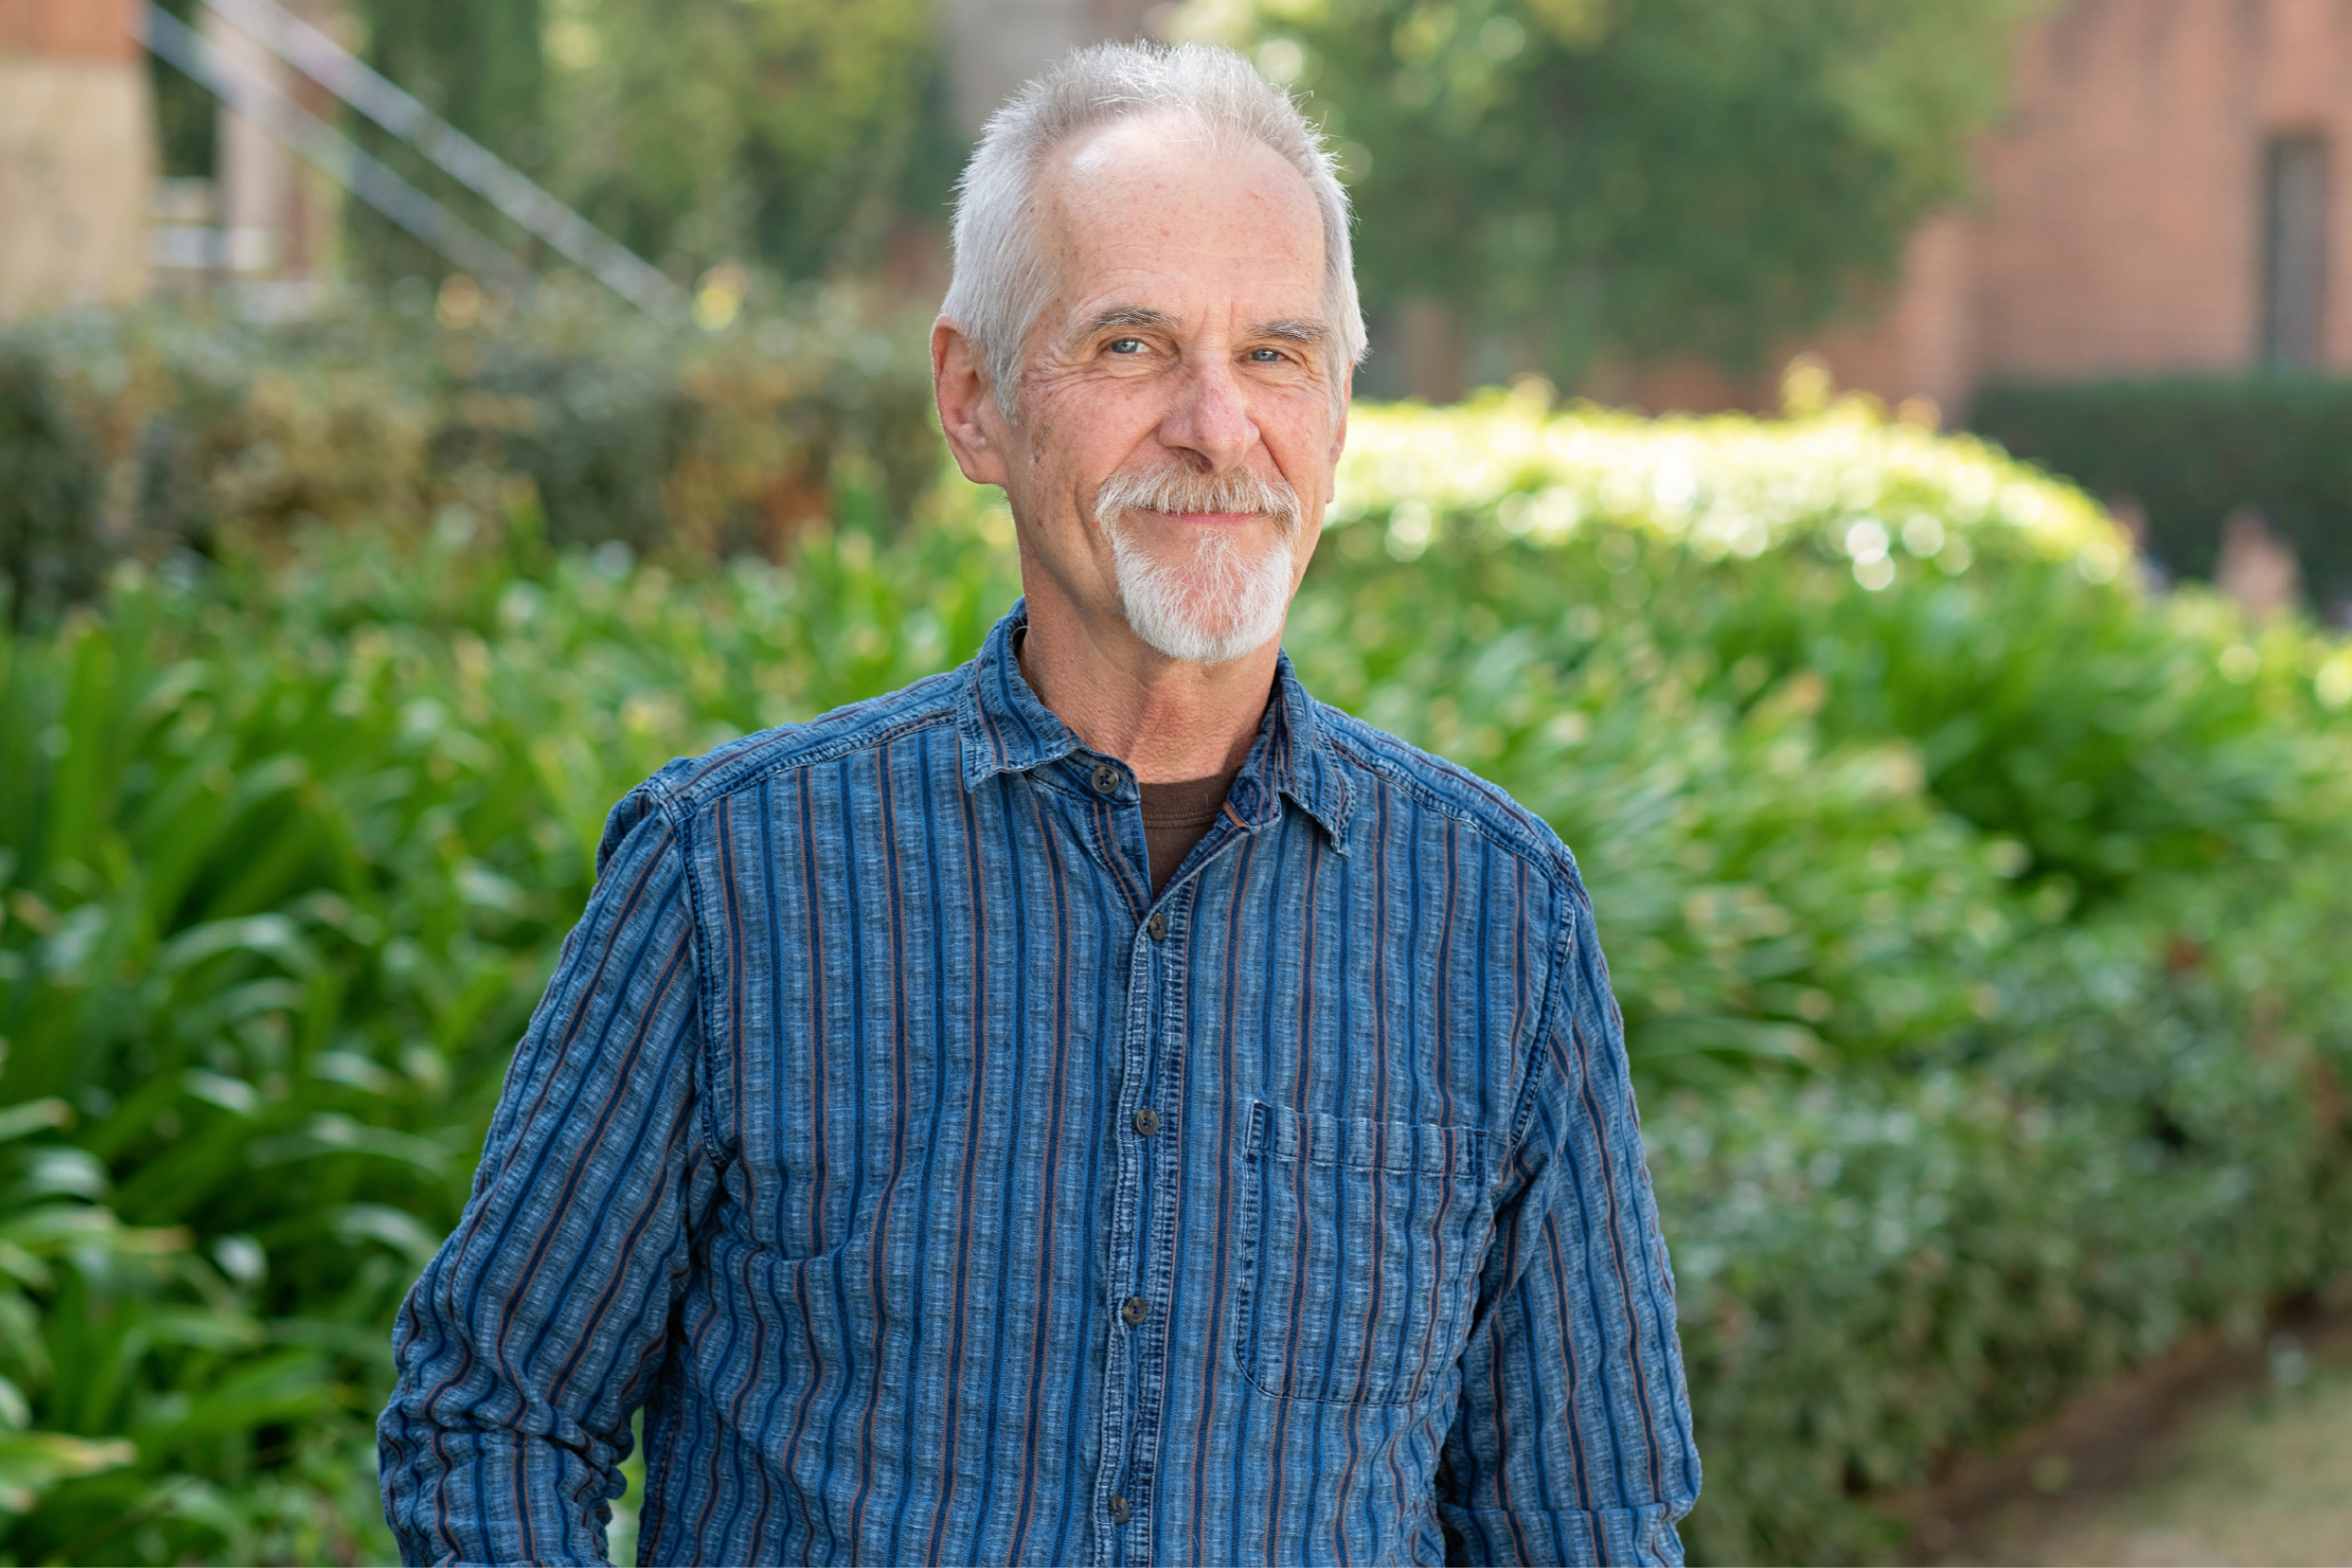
x=1356, y=1254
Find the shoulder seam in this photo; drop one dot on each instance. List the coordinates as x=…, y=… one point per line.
x=696, y=798
x=1511, y=835
x=679, y=810
x=680, y=824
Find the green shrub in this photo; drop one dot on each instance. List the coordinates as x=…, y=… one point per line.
x=49, y=548
x=2191, y=450
x=1952, y=1115
x=1994, y=631
x=187, y=427
x=1880, y=1273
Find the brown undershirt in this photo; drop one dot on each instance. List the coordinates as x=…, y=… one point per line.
x=1176, y=816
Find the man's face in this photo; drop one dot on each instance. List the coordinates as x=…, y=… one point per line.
x=1177, y=434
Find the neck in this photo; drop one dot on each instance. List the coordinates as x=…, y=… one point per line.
x=1166, y=719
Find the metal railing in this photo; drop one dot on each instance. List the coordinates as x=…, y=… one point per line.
x=448, y=149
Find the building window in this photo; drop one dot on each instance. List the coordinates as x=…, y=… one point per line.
x=2295, y=248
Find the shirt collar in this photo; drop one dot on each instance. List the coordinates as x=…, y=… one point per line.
x=1004, y=728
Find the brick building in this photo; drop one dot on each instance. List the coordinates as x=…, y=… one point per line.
x=76, y=154
x=2170, y=191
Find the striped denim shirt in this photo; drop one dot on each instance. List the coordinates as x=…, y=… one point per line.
x=945, y=1196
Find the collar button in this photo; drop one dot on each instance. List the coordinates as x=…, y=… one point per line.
x=1106, y=780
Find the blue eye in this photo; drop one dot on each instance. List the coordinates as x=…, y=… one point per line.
x=1266, y=356
x=1127, y=345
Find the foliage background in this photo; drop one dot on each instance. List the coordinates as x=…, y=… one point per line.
x=1566, y=182
x=805, y=139
x=788, y=132
x=1972, y=913
x=164, y=430
x=1578, y=178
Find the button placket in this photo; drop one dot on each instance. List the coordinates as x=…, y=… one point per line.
x=1152, y=1255
x=1125, y=1429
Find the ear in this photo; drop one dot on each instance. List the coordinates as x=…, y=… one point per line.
x=967, y=412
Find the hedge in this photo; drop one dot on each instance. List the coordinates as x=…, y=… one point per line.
x=49, y=491
x=1975, y=922
x=164, y=429
x=2193, y=449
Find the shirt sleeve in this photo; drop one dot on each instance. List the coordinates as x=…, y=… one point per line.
x=1573, y=1444
x=537, y=1329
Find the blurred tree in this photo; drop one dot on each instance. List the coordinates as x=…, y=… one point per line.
x=792, y=132
x=186, y=117
x=479, y=63
x=1635, y=177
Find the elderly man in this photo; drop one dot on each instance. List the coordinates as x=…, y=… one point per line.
x=1098, y=1105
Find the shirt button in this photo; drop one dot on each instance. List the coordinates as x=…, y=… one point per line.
x=1106, y=778
x=1156, y=927
x=1119, y=1508
x=1135, y=1310
x=1147, y=1122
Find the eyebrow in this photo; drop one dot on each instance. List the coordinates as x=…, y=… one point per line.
x=1126, y=316
x=1291, y=330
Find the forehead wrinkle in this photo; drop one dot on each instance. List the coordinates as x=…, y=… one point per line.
x=1143, y=235
x=1146, y=239
x=1130, y=267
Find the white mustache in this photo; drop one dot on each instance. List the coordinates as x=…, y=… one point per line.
x=1175, y=490
x=1227, y=600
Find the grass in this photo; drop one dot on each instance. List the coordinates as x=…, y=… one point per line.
x=2259, y=1475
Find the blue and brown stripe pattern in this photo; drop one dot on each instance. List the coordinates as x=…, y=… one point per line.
x=944, y=1196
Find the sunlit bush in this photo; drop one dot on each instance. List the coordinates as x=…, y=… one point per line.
x=1975, y=920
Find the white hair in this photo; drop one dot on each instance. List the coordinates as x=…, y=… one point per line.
x=1001, y=283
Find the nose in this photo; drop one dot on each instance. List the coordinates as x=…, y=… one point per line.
x=1211, y=418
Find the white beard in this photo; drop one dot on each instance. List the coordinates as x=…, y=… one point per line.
x=1222, y=604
